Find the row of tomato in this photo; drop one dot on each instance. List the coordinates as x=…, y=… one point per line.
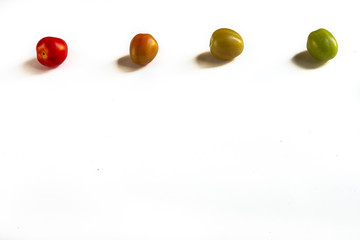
x=225, y=44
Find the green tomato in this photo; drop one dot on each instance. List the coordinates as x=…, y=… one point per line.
x=322, y=45
x=226, y=44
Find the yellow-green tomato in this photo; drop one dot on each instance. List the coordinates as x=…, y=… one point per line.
x=322, y=45
x=226, y=44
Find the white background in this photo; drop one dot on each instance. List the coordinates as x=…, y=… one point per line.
x=263, y=147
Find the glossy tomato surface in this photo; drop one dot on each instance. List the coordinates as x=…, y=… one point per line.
x=322, y=45
x=143, y=48
x=51, y=51
x=226, y=44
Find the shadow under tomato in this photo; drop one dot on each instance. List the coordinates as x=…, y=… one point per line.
x=306, y=61
x=33, y=66
x=207, y=60
x=127, y=65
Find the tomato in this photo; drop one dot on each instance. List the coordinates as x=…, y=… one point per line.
x=51, y=51
x=226, y=44
x=322, y=45
x=143, y=49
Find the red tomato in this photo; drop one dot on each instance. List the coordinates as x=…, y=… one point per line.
x=51, y=51
x=143, y=49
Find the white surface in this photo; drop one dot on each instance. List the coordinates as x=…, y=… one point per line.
x=259, y=148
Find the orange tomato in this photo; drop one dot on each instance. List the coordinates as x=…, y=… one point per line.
x=143, y=48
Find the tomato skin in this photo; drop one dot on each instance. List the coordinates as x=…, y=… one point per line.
x=322, y=45
x=51, y=51
x=226, y=44
x=143, y=48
